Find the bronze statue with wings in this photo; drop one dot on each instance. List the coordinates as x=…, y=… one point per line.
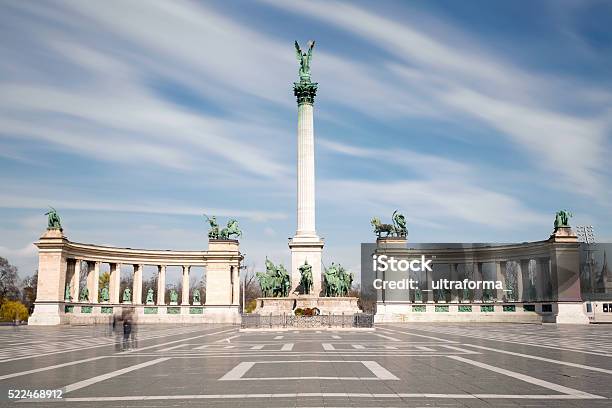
x=304, y=58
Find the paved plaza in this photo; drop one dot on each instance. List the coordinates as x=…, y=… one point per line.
x=418, y=365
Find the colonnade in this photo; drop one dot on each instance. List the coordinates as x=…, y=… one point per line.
x=60, y=264
x=519, y=292
x=541, y=271
x=74, y=270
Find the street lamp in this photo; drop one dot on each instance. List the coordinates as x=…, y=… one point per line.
x=243, y=267
x=585, y=234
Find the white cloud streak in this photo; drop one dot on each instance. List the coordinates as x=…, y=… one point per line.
x=479, y=84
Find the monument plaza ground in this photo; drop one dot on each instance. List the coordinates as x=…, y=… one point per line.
x=413, y=365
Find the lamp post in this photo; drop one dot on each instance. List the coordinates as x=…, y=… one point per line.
x=243, y=267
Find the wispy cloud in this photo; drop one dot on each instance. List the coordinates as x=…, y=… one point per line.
x=468, y=79
x=144, y=207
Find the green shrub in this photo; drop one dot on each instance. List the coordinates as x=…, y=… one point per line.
x=12, y=309
x=250, y=306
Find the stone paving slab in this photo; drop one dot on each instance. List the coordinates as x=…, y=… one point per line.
x=397, y=365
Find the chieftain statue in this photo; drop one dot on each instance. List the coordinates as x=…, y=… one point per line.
x=398, y=228
x=304, y=58
x=337, y=281
x=104, y=294
x=149, y=296
x=84, y=295
x=275, y=282
x=213, y=232
x=173, y=296
x=196, y=297
x=127, y=295
x=562, y=219
x=306, y=278
x=67, y=295
x=53, y=220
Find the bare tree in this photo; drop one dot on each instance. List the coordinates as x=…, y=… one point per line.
x=9, y=288
x=28, y=293
x=250, y=289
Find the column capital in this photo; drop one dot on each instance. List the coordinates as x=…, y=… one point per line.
x=305, y=91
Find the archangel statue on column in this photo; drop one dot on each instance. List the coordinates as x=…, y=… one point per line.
x=304, y=58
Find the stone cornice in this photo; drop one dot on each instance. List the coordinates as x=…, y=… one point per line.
x=227, y=251
x=493, y=253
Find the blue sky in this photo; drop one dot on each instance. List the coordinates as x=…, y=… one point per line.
x=477, y=119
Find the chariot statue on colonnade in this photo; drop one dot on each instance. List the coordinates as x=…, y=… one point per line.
x=398, y=228
x=232, y=228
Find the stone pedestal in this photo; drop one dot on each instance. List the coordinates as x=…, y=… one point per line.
x=306, y=249
x=223, y=281
x=565, y=265
x=286, y=305
x=48, y=308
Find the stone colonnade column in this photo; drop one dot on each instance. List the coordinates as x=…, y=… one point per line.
x=500, y=268
x=93, y=280
x=454, y=277
x=185, y=294
x=542, y=278
x=477, y=277
x=236, y=283
x=428, y=281
x=161, y=285
x=526, y=282
x=76, y=281
x=115, y=282
x=137, y=285
x=519, y=282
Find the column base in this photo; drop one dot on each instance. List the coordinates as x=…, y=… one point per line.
x=571, y=313
x=306, y=248
x=47, y=314
x=222, y=313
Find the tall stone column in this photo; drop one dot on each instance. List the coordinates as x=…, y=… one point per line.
x=306, y=246
x=161, y=285
x=137, y=285
x=185, y=291
x=115, y=282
